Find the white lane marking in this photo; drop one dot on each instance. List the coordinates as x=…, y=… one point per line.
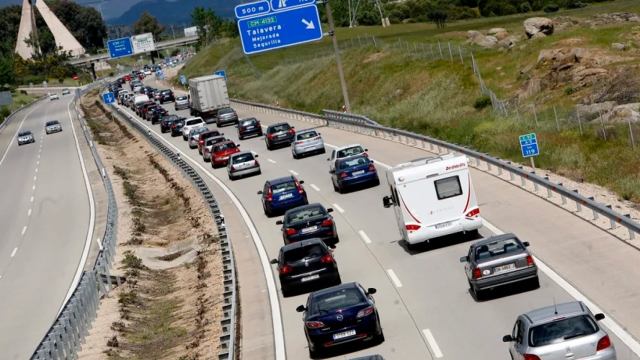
x=271, y=161
x=608, y=321
x=17, y=131
x=24, y=230
x=36, y=169
x=32, y=199
x=13, y=253
x=432, y=343
x=274, y=301
x=29, y=213
x=38, y=162
x=364, y=237
x=35, y=177
x=338, y=208
x=92, y=216
x=294, y=173
x=315, y=187
x=394, y=278
x=33, y=188
x=38, y=157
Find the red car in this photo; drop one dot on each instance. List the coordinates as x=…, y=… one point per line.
x=221, y=152
x=127, y=78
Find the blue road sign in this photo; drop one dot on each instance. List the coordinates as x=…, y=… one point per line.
x=529, y=145
x=253, y=9
x=108, y=98
x=221, y=73
x=277, y=5
x=280, y=29
x=120, y=47
x=183, y=79
x=167, y=60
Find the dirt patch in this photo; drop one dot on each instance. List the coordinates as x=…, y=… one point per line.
x=373, y=57
x=171, y=313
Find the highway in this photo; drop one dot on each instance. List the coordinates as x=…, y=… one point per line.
x=426, y=309
x=45, y=217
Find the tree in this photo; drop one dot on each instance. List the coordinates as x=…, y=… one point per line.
x=209, y=24
x=6, y=72
x=439, y=17
x=148, y=24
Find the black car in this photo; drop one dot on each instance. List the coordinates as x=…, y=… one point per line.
x=156, y=113
x=166, y=96
x=167, y=121
x=147, y=112
x=248, y=127
x=279, y=134
x=338, y=315
x=305, y=263
x=176, y=127
x=309, y=221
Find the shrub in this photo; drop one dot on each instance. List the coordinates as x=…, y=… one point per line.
x=524, y=8
x=569, y=90
x=4, y=113
x=482, y=102
x=509, y=10
x=551, y=8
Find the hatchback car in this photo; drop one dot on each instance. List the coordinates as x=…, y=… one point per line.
x=340, y=314
x=166, y=96
x=182, y=102
x=25, y=137
x=309, y=221
x=147, y=112
x=345, y=151
x=562, y=331
x=191, y=124
x=226, y=116
x=352, y=171
x=209, y=144
x=307, y=142
x=157, y=113
x=279, y=134
x=221, y=152
x=52, y=126
x=204, y=136
x=167, y=121
x=176, y=127
x=53, y=96
x=242, y=164
x=308, y=262
x=497, y=261
x=282, y=194
x=194, y=136
x=249, y=127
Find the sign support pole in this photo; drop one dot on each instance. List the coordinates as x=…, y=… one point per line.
x=336, y=48
x=533, y=164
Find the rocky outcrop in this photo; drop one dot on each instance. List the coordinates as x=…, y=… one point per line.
x=472, y=34
x=593, y=111
x=538, y=36
x=537, y=25
x=613, y=18
x=624, y=113
x=618, y=46
x=495, y=31
x=507, y=43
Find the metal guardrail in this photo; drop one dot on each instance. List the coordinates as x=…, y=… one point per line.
x=354, y=123
x=68, y=332
x=228, y=322
x=10, y=117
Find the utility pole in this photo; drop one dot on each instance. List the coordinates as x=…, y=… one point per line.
x=336, y=48
x=173, y=31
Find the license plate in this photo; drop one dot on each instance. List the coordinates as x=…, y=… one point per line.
x=343, y=335
x=504, y=268
x=250, y=127
x=357, y=172
x=309, y=278
x=309, y=229
x=444, y=225
x=285, y=196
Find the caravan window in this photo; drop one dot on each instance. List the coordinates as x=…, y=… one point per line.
x=448, y=188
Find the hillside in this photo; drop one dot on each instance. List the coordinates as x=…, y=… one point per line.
x=174, y=12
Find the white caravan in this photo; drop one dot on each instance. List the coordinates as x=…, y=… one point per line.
x=433, y=197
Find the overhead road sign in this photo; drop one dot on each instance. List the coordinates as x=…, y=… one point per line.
x=191, y=31
x=108, y=98
x=529, y=145
x=143, y=43
x=221, y=73
x=252, y=9
x=120, y=47
x=278, y=29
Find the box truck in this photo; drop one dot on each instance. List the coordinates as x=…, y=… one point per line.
x=433, y=197
x=208, y=95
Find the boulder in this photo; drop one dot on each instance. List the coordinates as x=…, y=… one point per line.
x=618, y=46
x=495, y=31
x=472, y=34
x=485, y=41
x=592, y=111
x=625, y=113
x=493, y=39
x=538, y=25
x=538, y=36
x=507, y=43
x=501, y=35
x=586, y=76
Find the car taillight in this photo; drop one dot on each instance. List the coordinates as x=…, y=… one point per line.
x=531, y=357
x=286, y=269
x=290, y=231
x=317, y=138
x=256, y=163
x=365, y=312
x=372, y=168
x=270, y=136
x=314, y=324
x=343, y=175
x=477, y=274
x=292, y=131
x=298, y=142
x=365, y=154
x=604, y=343
x=206, y=150
x=326, y=259
x=258, y=123
x=200, y=143
x=174, y=126
x=474, y=212
x=269, y=195
x=530, y=261
x=233, y=167
x=300, y=189
x=240, y=128
x=327, y=222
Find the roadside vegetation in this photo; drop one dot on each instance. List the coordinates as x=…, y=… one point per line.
x=18, y=99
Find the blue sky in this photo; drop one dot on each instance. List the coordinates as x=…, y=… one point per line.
x=110, y=8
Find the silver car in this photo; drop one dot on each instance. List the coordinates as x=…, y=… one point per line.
x=226, y=116
x=242, y=164
x=25, y=137
x=559, y=332
x=65, y=91
x=182, y=102
x=194, y=136
x=307, y=142
x=52, y=127
x=497, y=261
x=208, y=146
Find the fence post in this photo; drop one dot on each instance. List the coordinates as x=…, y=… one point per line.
x=604, y=132
x=450, y=52
x=579, y=121
x=433, y=56
x=440, y=48
x=535, y=115
x=633, y=142
x=460, y=52
x=556, y=116
x=360, y=41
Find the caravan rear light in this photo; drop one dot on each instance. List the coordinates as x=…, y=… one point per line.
x=412, y=227
x=474, y=212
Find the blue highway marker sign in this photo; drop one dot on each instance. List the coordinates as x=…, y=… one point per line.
x=120, y=47
x=183, y=79
x=221, y=73
x=277, y=5
x=253, y=9
x=529, y=145
x=279, y=29
x=108, y=98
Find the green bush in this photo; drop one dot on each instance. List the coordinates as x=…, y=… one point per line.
x=482, y=102
x=524, y=8
x=4, y=113
x=569, y=90
x=509, y=10
x=551, y=8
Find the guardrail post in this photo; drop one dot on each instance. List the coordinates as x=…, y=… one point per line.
x=535, y=187
x=595, y=214
x=549, y=192
x=632, y=235
x=578, y=205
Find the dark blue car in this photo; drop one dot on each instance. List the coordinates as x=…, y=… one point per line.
x=282, y=194
x=308, y=222
x=353, y=170
x=338, y=315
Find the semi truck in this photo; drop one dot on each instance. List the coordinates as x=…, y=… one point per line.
x=208, y=95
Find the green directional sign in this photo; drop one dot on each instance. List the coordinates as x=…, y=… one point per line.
x=527, y=137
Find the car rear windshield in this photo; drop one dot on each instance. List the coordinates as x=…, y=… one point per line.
x=166, y=92
x=223, y=147
x=561, y=330
x=306, y=214
x=282, y=187
x=243, y=158
x=311, y=251
x=200, y=130
x=354, y=161
x=194, y=121
x=350, y=151
x=182, y=98
x=226, y=111
x=248, y=122
x=214, y=140
x=178, y=122
x=498, y=248
x=335, y=300
x=277, y=128
x=307, y=135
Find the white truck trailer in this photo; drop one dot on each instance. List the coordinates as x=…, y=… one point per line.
x=208, y=95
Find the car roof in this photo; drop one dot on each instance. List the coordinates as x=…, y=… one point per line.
x=299, y=244
x=348, y=146
x=308, y=206
x=351, y=285
x=548, y=313
x=281, y=180
x=306, y=131
x=494, y=239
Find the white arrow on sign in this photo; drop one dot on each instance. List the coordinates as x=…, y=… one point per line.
x=309, y=24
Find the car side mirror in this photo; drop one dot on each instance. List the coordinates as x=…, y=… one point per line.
x=293, y=127
x=329, y=210
x=237, y=145
x=599, y=317
x=301, y=308
x=366, y=149
x=526, y=244
x=386, y=202
x=260, y=192
x=332, y=171
x=507, y=338
x=255, y=155
x=274, y=261
x=371, y=291
x=319, y=134
x=328, y=159
x=301, y=182
x=464, y=259
x=279, y=222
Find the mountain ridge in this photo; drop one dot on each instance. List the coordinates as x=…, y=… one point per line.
x=173, y=12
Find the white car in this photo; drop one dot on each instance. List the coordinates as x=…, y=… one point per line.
x=191, y=124
x=53, y=97
x=345, y=151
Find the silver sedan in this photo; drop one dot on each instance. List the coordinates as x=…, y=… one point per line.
x=194, y=136
x=307, y=142
x=52, y=127
x=242, y=164
x=25, y=137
